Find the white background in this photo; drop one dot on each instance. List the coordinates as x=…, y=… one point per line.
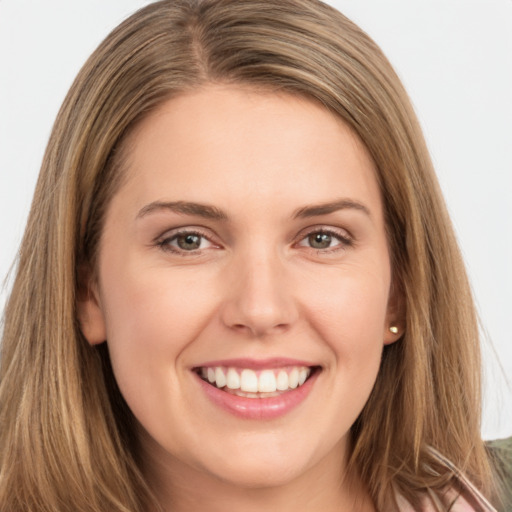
x=455, y=58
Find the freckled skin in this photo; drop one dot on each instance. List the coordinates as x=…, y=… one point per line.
x=256, y=287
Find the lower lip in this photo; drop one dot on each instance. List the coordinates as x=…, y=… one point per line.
x=258, y=408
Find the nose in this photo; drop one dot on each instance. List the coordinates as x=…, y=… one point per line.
x=260, y=300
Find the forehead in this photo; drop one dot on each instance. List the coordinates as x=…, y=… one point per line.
x=225, y=142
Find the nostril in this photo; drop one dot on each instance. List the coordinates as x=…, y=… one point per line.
x=259, y=330
x=241, y=328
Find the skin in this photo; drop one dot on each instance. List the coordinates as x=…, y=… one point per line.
x=256, y=289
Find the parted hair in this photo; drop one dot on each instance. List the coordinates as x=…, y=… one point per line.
x=67, y=438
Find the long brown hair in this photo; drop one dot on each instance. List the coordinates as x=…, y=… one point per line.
x=66, y=436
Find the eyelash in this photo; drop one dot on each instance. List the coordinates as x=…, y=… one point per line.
x=165, y=243
x=345, y=241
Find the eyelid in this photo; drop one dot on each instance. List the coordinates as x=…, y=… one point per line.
x=163, y=240
x=344, y=236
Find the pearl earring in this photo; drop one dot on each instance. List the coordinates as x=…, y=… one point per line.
x=394, y=329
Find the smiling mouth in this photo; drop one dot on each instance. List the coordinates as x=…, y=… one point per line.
x=249, y=383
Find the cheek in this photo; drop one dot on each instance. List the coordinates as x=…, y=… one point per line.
x=151, y=317
x=349, y=314
x=350, y=307
x=346, y=309
x=153, y=307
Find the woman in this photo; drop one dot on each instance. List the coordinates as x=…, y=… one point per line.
x=238, y=282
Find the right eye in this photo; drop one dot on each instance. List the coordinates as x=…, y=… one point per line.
x=185, y=242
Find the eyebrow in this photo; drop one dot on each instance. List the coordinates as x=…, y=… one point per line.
x=326, y=208
x=184, y=208
x=213, y=213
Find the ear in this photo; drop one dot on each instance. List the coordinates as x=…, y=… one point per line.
x=89, y=311
x=394, y=326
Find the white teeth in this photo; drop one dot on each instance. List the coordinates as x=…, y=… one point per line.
x=250, y=383
x=220, y=378
x=303, y=375
x=293, y=378
x=233, y=379
x=267, y=382
x=282, y=381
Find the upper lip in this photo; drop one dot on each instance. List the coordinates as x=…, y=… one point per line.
x=256, y=364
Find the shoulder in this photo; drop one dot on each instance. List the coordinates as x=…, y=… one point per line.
x=462, y=496
x=469, y=501
x=458, y=502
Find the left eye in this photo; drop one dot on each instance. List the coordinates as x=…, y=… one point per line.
x=323, y=240
x=186, y=242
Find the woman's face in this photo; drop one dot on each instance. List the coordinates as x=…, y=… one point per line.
x=245, y=252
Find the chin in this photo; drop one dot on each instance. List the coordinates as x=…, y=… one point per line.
x=253, y=474
x=262, y=463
